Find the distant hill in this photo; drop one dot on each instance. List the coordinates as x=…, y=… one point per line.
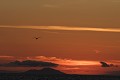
x=45, y=71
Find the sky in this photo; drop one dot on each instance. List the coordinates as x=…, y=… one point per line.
x=81, y=32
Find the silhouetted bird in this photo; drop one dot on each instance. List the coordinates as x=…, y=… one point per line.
x=37, y=38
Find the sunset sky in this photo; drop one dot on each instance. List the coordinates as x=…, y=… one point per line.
x=73, y=32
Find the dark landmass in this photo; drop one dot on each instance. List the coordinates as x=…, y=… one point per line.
x=52, y=74
x=29, y=63
x=45, y=71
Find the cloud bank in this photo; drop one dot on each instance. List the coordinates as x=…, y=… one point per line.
x=6, y=57
x=104, y=64
x=29, y=63
x=60, y=61
x=66, y=28
x=41, y=59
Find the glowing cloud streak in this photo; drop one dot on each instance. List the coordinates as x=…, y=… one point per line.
x=67, y=28
x=6, y=57
x=68, y=62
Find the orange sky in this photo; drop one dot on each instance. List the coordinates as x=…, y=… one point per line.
x=87, y=13
x=65, y=44
x=76, y=30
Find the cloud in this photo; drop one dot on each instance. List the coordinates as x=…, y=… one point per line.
x=30, y=63
x=66, y=28
x=104, y=64
x=6, y=56
x=60, y=61
x=5, y=59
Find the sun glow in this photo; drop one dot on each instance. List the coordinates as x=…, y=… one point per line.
x=77, y=62
x=68, y=62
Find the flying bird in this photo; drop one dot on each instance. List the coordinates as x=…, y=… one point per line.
x=37, y=38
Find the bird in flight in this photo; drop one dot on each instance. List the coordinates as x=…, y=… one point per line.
x=37, y=38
